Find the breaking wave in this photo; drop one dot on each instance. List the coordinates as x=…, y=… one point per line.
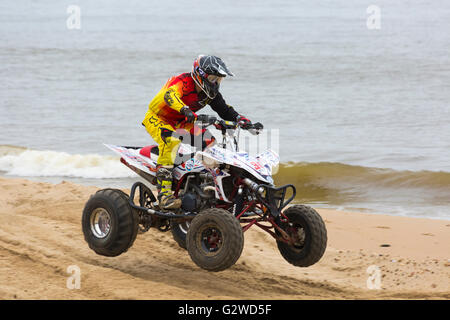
x=423, y=193
x=22, y=162
x=329, y=174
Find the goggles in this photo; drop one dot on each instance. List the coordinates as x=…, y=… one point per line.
x=214, y=79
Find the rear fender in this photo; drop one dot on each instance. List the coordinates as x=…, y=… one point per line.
x=132, y=156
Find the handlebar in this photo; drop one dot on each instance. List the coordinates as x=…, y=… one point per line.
x=204, y=120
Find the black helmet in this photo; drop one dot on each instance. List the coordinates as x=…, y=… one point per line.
x=208, y=72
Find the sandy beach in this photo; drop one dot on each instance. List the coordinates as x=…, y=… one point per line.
x=40, y=237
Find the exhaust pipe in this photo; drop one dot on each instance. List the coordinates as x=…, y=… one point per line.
x=253, y=186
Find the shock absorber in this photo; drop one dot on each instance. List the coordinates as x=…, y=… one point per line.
x=238, y=202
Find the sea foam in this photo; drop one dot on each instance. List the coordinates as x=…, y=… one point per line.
x=35, y=163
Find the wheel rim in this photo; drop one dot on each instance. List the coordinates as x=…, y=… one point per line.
x=100, y=223
x=298, y=235
x=211, y=239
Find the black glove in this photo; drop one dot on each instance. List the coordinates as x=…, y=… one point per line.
x=258, y=126
x=243, y=122
x=188, y=114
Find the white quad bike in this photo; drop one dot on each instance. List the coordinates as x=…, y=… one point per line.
x=224, y=192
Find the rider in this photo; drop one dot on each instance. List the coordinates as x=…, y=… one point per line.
x=173, y=109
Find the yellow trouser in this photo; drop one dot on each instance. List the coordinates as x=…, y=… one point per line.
x=161, y=132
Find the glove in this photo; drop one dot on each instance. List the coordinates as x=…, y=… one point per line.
x=188, y=114
x=243, y=122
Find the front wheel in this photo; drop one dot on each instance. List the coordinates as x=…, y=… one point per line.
x=215, y=239
x=308, y=233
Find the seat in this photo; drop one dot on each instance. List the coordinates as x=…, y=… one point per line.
x=152, y=152
x=149, y=150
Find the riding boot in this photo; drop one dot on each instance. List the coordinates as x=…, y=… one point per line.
x=165, y=196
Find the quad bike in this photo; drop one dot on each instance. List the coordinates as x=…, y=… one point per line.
x=223, y=192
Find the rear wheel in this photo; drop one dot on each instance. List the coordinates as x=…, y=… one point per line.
x=309, y=235
x=215, y=240
x=179, y=233
x=109, y=224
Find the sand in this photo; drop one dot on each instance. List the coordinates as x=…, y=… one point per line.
x=41, y=237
